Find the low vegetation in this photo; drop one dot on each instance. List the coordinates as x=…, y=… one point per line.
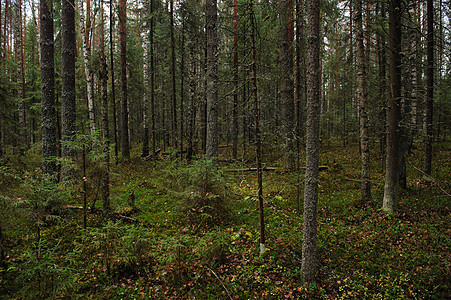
x=197, y=235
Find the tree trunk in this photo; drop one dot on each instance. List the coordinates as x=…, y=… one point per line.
x=300, y=73
x=428, y=134
x=382, y=81
x=68, y=108
x=103, y=76
x=152, y=80
x=391, y=197
x=212, y=80
x=235, y=82
x=173, y=81
x=309, y=250
x=257, y=133
x=88, y=73
x=124, y=98
x=18, y=47
x=286, y=86
x=47, y=89
x=362, y=92
x=146, y=47
x=113, y=86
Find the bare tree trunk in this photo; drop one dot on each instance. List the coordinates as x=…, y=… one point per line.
x=174, y=91
x=146, y=46
x=152, y=81
x=212, y=80
x=124, y=98
x=257, y=132
x=235, y=82
x=103, y=76
x=18, y=47
x=68, y=108
x=286, y=88
x=309, y=249
x=113, y=86
x=88, y=73
x=428, y=135
x=391, y=197
x=300, y=73
x=182, y=85
x=382, y=81
x=47, y=89
x=364, y=138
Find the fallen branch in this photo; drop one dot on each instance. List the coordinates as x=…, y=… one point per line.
x=113, y=215
x=429, y=177
x=225, y=288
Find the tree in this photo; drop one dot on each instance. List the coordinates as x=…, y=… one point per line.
x=257, y=132
x=103, y=76
x=286, y=86
x=235, y=81
x=47, y=89
x=173, y=81
x=86, y=57
x=390, y=203
x=212, y=80
x=146, y=52
x=124, y=100
x=68, y=107
x=428, y=134
x=309, y=250
x=113, y=84
x=362, y=92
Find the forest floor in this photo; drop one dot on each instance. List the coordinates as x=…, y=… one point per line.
x=198, y=231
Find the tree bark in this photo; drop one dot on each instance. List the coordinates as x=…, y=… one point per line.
x=173, y=81
x=103, y=76
x=391, y=197
x=18, y=47
x=68, y=108
x=146, y=47
x=124, y=97
x=113, y=86
x=212, y=80
x=88, y=73
x=47, y=89
x=428, y=134
x=286, y=86
x=362, y=92
x=309, y=249
x=300, y=73
x=235, y=82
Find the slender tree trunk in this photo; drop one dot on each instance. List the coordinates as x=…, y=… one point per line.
x=428, y=135
x=286, y=86
x=382, y=81
x=257, y=132
x=364, y=138
x=146, y=46
x=309, y=249
x=182, y=85
x=124, y=98
x=300, y=72
x=174, y=91
x=391, y=197
x=235, y=82
x=47, y=89
x=103, y=76
x=113, y=86
x=68, y=108
x=152, y=81
x=18, y=45
x=212, y=80
x=88, y=73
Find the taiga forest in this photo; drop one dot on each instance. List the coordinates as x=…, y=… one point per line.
x=225, y=149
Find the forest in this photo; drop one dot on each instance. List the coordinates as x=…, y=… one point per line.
x=225, y=149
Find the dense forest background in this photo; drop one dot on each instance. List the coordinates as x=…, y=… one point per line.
x=225, y=149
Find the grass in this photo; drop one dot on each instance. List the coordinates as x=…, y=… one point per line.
x=363, y=252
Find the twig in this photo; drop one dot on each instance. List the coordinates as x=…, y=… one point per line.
x=430, y=177
x=230, y=297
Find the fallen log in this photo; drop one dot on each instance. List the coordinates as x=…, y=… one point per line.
x=321, y=168
x=151, y=155
x=113, y=215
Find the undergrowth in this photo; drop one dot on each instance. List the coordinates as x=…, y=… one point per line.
x=199, y=237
